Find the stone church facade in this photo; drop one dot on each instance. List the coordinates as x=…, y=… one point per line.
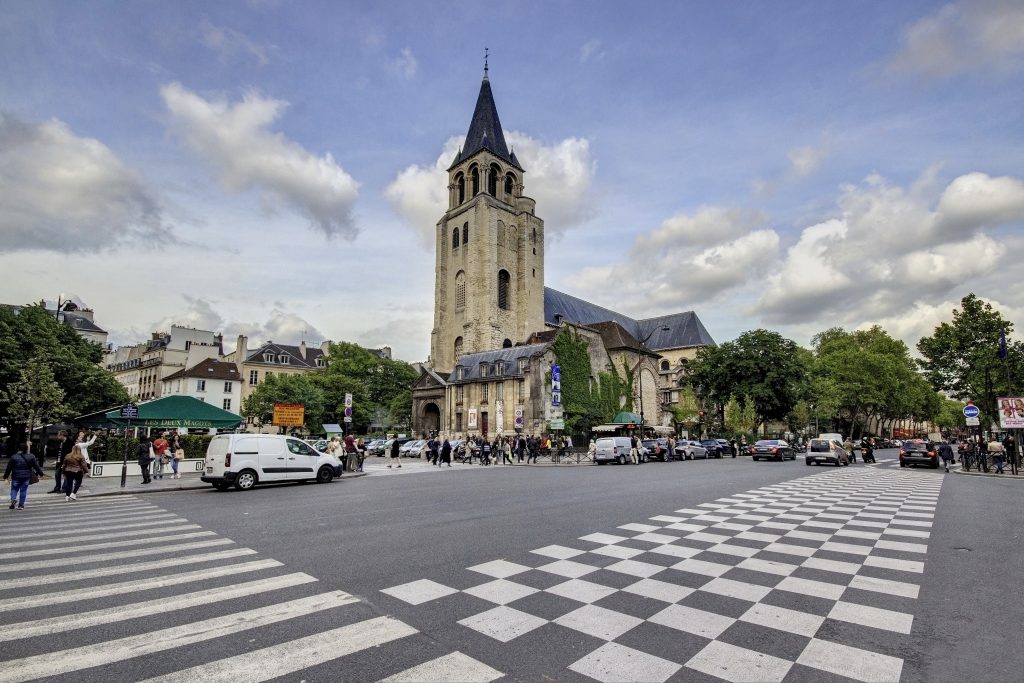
x=494, y=320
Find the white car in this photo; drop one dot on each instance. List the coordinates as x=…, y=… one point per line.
x=244, y=460
x=405, y=450
x=688, y=450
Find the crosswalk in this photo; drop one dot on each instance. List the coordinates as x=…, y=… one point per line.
x=114, y=589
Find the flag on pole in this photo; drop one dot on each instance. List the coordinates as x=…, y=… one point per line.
x=1002, y=344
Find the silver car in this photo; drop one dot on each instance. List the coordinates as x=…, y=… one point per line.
x=688, y=450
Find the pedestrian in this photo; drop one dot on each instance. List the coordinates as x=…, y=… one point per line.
x=177, y=454
x=592, y=450
x=160, y=448
x=946, y=453
x=446, y=453
x=998, y=453
x=520, y=448
x=634, y=450
x=75, y=467
x=485, y=452
x=1010, y=449
x=64, y=446
x=394, y=453
x=22, y=468
x=84, y=440
x=348, y=454
x=435, y=451
x=360, y=454
x=144, y=456
x=506, y=452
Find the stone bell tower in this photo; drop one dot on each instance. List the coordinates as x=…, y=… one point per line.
x=489, y=277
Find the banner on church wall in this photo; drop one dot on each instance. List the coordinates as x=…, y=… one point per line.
x=499, y=416
x=472, y=418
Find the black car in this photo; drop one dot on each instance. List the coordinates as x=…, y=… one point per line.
x=772, y=449
x=919, y=452
x=657, y=449
x=713, y=447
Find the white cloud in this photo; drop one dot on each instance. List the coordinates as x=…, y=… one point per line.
x=592, y=50
x=558, y=177
x=229, y=43
x=235, y=138
x=803, y=161
x=979, y=199
x=404, y=65
x=281, y=326
x=62, y=192
x=964, y=36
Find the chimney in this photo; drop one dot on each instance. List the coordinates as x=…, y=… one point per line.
x=241, y=349
x=302, y=349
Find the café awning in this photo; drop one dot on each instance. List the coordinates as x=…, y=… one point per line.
x=178, y=412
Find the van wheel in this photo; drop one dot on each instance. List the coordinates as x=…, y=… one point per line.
x=324, y=476
x=246, y=480
x=808, y=462
x=622, y=460
x=222, y=487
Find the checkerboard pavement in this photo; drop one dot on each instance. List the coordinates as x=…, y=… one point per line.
x=814, y=579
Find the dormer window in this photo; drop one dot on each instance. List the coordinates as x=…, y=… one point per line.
x=320, y=362
x=282, y=359
x=483, y=369
x=499, y=368
x=460, y=372
x=268, y=358
x=524, y=364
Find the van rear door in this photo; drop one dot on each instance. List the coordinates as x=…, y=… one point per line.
x=215, y=453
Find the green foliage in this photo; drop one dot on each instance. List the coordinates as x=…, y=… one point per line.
x=379, y=387
x=586, y=405
x=35, y=399
x=282, y=388
x=111, y=449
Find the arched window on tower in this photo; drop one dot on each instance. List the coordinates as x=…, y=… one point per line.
x=474, y=180
x=455, y=238
x=458, y=351
x=510, y=185
x=460, y=186
x=503, y=282
x=465, y=234
x=507, y=344
x=492, y=180
x=460, y=290
x=664, y=366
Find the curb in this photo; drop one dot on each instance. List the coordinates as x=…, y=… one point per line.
x=1006, y=475
x=129, y=491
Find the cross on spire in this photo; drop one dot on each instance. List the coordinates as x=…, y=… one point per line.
x=486, y=51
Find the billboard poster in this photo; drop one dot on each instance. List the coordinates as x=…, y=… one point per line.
x=289, y=414
x=556, y=385
x=499, y=415
x=1011, y=412
x=519, y=417
x=472, y=418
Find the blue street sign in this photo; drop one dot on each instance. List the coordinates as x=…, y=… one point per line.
x=556, y=373
x=129, y=412
x=971, y=411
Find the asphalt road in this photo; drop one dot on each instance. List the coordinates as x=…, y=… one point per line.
x=433, y=549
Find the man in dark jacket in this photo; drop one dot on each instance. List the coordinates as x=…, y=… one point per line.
x=19, y=471
x=64, y=446
x=394, y=452
x=144, y=457
x=446, y=453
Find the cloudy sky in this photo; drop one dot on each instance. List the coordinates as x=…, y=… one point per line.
x=276, y=169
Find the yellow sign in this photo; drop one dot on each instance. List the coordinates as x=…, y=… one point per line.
x=289, y=414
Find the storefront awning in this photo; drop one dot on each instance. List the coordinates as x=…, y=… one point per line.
x=178, y=412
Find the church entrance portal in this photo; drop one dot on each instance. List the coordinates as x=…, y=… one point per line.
x=431, y=418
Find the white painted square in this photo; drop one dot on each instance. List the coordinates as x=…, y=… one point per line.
x=890, y=563
x=853, y=533
x=738, y=664
x=919, y=515
x=581, y=591
x=758, y=536
x=790, y=549
x=713, y=505
x=659, y=590
x=686, y=526
x=711, y=518
x=736, y=589
x=822, y=525
x=902, y=547
x=852, y=662
x=604, y=539
x=655, y=538
x=900, y=588
x=784, y=526
x=729, y=549
x=500, y=591
x=782, y=619
x=691, y=511
x=909, y=533
x=419, y=592
x=599, y=622
x=614, y=663
x=847, y=548
x=875, y=617
x=451, y=667
x=817, y=589
x=639, y=527
x=690, y=620
x=753, y=518
x=668, y=518
x=732, y=526
x=568, y=569
x=619, y=551
x=503, y=623
x=499, y=569
x=676, y=550
x=708, y=538
x=767, y=566
x=869, y=525
x=636, y=568
x=559, y=552
x=702, y=567
x=809, y=535
x=910, y=522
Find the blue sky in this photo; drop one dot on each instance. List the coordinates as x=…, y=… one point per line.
x=272, y=168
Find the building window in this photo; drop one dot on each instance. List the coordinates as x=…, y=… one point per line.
x=483, y=369
x=254, y=377
x=460, y=372
x=524, y=365
x=484, y=392
x=534, y=272
x=321, y=363
x=664, y=366
x=455, y=238
x=503, y=282
x=507, y=344
x=200, y=385
x=460, y=394
x=465, y=234
x=282, y=359
x=268, y=358
x=521, y=390
x=533, y=239
x=458, y=422
x=510, y=184
x=499, y=368
x=460, y=184
x=227, y=387
x=460, y=290
x=492, y=180
x=474, y=180
x=499, y=391
x=227, y=404
x=501, y=234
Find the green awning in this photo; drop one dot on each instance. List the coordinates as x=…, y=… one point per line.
x=625, y=418
x=181, y=412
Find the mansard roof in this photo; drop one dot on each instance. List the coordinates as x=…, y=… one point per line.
x=211, y=368
x=511, y=355
x=684, y=329
x=293, y=352
x=485, y=131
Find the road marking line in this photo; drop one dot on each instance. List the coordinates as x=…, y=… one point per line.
x=147, y=644
x=91, y=523
x=875, y=617
x=454, y=667
x=891, y=563
x=65, y=561
x=852, y=662
x=100, y=537
x=52, y=536
x=21, y=554
x=900, y=588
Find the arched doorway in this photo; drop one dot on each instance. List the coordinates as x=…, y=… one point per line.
x=431, y=418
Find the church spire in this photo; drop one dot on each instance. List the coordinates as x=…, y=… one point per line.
x=485, y=128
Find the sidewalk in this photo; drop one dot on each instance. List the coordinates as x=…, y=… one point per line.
x=992, y=472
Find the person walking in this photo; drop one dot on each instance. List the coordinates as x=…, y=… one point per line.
x=394, y=453
x=998, y=453
x=144, y=456
x=435, y=452
x=19, y=470
x=485, y=452
x=84, y=440
x=360, y=454
x=634, y=450
x=75, y=467
x=506, y=452
x=592, y=450
x=446, y=453
x=177, y=454
x=734, y=448
x=946, y=453
x=64, y=446
x=160, y=447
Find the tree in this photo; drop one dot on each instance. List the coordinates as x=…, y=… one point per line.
x=280, y=388
x=962, y=357
x=768, y=372
x=379, y=386
x=35, y=399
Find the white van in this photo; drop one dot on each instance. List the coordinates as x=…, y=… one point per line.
x=244, y=460
x=615, y=449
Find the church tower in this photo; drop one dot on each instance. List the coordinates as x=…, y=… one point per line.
x=489, y=276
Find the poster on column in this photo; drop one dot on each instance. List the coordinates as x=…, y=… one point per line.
x=472, y=418
x=519, y=417
x=499, y=415
x=1011, y=412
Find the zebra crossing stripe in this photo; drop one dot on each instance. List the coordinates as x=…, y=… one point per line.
x=120, y=569
x=76, y=548
x=27, y=629
x=58, y=533
x=287, y=658
x=88, y=559
x=451, y=667
x=106, y=501
x=152, y=528
x=146, y=644
x=73, y=596
x=85, y=523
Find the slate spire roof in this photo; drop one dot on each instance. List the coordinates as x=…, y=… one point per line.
x=485, y=130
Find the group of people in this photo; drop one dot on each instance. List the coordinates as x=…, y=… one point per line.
x=977, y=449
x=153, y=456
x=73, y=464
x=350, y=451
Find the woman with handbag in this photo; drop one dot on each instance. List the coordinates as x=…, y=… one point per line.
x=75, y=467
x=177, y=455
x=22, y=470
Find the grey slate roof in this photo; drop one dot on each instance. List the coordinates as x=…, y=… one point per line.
x=211, y=368
x=511, y=356
x=485, y=130
x=685, y=329
x=296, y=360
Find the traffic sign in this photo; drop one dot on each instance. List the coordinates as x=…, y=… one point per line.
x=129, y=412
x=971, y=410
x=973, y=422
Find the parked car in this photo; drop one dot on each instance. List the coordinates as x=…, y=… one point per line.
x=725, y=446
x=714, y=449
x=244, y=460
x=417, y=449
x=405, y=448
x=772, y=449
x=614, y=449
x=657, y=449
x=919, y=452
x=688, y=450
x=372, y=445
x=825, y=451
